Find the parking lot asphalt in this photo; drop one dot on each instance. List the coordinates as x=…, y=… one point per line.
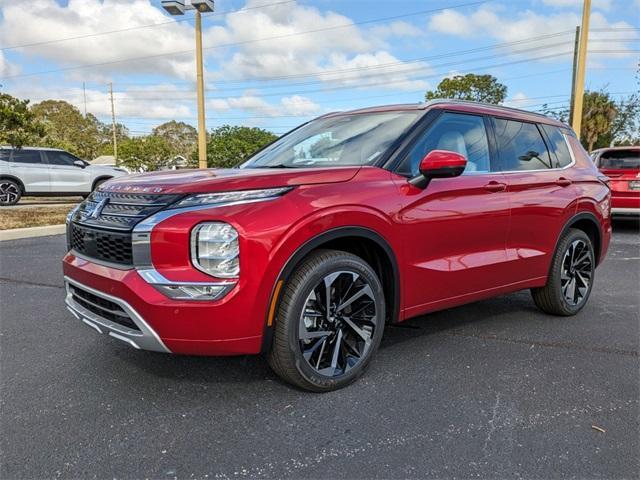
x=494, y=389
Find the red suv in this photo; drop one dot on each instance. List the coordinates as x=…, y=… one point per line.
x=622, y=166
x=350, y=222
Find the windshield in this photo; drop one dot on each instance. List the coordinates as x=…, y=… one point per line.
x=344, y=140
x=620, y=160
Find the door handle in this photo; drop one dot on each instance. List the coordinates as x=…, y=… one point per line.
x=563, y=182
x=494, y=186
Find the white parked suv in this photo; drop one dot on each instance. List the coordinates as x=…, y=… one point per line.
x=48, y=172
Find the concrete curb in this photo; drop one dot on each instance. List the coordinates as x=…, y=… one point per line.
x=31, y=232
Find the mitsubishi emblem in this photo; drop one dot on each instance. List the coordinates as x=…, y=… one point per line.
x=98, y=208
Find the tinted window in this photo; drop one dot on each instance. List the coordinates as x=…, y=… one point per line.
x=558, y=146
x=464, y=134
x=60, y=158
x=26, y=156
x=521, y=146
x=5, y=154
x=620, y=160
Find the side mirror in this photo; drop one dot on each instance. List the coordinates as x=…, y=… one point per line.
x=439, y=164
x=79, y=163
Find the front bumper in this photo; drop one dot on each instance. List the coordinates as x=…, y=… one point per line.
x=156, y=322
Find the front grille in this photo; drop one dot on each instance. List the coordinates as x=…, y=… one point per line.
x=101, y=227
x=102, y=307
x=120, y=211
x=113, y=247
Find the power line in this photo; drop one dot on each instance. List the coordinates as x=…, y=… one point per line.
x=149, y=25
x=246, y=42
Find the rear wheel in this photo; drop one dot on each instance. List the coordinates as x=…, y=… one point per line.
x=10, y=192
x=330, y=322
x=571, y=276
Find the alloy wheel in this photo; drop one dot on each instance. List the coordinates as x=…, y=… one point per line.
x=576, y=272
x=9, y=193
x=337, y=323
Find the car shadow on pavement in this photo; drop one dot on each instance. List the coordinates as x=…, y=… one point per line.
x=626, y=224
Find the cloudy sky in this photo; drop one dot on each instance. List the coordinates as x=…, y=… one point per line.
x=276, y=63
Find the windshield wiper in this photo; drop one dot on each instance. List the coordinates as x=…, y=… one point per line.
x=280, y=165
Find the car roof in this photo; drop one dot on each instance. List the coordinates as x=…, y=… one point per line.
x=462, y=106
x=613, y=149
x=8, y=147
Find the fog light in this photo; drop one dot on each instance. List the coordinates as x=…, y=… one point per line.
x=215, y=249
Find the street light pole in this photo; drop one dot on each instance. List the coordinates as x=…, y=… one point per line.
x=202, y=129
x=178, y=7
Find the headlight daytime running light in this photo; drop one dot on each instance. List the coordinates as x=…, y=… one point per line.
x=231, y=197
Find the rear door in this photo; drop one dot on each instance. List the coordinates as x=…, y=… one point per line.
x=455, y=228
x=66, y=176
x=541, y=194
x=30, y=167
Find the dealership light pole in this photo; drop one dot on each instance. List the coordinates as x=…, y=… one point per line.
x=178, y=7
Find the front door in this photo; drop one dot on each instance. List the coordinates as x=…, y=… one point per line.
x=455, y=228
x=66, y=176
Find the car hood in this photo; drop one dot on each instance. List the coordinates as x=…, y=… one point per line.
x=221, y=180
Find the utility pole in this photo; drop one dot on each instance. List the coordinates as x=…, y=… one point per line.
x=113, y=121
x=580, y=70
x=573, y=74
x=84, y=94
x=202, y=129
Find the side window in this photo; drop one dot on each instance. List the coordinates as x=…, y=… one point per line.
x=26, y=156
x=521, y=146
x=461, y=133
x=5, y=153
x=558, y=146
x=60, y=158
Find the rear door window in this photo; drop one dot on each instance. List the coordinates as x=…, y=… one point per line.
x=4, y=155
x=26, y=156
x=521, y=146
x=558, y=146
x=620, y=160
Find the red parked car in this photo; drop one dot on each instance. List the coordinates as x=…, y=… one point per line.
x=622, y=166
x=350, y=222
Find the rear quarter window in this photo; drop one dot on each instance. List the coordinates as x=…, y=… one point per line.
x=558, y=146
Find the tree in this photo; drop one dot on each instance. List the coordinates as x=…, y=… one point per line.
x=625, y=127
x=65, y=127
x=182, y=137
x=598, y=114
x=229, y=145
x=145, y=154
x=478, y=88
x=18, y=125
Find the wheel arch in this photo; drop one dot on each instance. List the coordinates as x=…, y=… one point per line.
x=589, y=224
x=361, y=241
x=101, y=178
x=14, y=179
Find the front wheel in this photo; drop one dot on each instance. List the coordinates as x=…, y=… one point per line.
x=571, y=276
x=330, y=322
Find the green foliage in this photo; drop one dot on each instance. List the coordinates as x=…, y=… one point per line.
x=143, y=154
x=598, y=114
x=182, y=137
x=478, y=88
x=229, y=145
x=18, y=125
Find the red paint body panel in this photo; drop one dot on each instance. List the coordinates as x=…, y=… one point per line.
x=458, y=240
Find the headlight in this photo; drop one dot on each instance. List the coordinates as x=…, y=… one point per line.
x=230, y=197
x=215, y=249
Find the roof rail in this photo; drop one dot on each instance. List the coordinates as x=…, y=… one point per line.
x=482, y=104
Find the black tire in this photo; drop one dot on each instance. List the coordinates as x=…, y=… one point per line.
x=573, y=261
x=352, y=330
x=10, y=192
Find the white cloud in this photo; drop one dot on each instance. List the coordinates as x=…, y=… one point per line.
x=519, y=100
x=7, y=69
x=510, y=27
x=396, y=29
x=250, y=102
x=46, y=20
